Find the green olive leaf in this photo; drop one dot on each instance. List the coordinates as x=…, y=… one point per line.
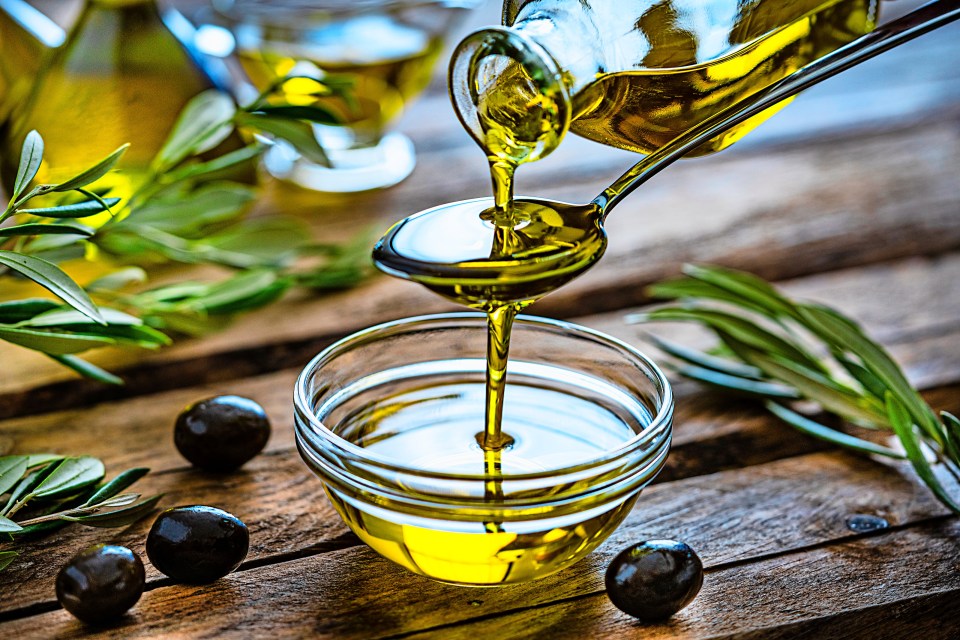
x=79, y=210
x=71, y=475
x=9, y=526
x=299, y=134
x=311, y=113
x=211, y=168
x=116, y=485
x=52, y=278
x=31, y=155
x=62, y=317
x=53, y=342
x=817, y=430
x=94, y=173
x=120, y=516
x=903, y=425
x=38, y=229
x=6, y=557
x=118, y=279
x=12, y=469
x=203, y=124
x=16, y=311
x=87, y=369
x=28, y=484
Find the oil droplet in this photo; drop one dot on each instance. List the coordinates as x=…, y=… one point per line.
x=864, y=523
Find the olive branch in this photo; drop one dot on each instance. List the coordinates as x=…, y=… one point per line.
x=783, y=352
x=188, y=211
x=55, y=491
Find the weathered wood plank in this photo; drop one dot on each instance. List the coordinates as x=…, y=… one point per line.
x=873, y=572
x=716, y=214
x=139, y=431
x=925, y=616
x=730, y=518
x=278, y=499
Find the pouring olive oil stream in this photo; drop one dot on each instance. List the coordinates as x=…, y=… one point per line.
x=501, y=254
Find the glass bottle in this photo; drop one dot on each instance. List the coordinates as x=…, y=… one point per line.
x=634, y=74
x=121, y=76
x=26, y=37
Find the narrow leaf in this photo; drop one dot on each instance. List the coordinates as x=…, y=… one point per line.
x=118, y=279
x=53, y=342
x=34, y=459
x=63, y=317
x=9, y=526
x=743, y=330
x=88, y=369
x=299, y=134
x=903, y=426
x=6, y=557
x=70, y=476
x=16, y=311
x=823, y=432
x=79, y=210
x=94, y=173
x=700, y=359
x=52, y=278
x=38, y=229
x=203, y=123
x=119, y=517
x=312, y=113
x=738, y=384
x=952, y=428
x=31, y=155
x=218, y=164
x=117, y=485
x=826, y=392
x=28, y=484
x=746, y=287
x=12, y=469
x=844, y=334
x=691, y=289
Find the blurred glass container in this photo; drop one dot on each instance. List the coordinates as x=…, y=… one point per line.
x=120, y=76
x=384, y=50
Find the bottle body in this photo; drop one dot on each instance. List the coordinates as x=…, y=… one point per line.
x=639, y=72
x=121, y=76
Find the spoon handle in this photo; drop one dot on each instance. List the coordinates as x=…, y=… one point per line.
x=918, y=22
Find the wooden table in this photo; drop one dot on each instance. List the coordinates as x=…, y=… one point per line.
x=850, y=197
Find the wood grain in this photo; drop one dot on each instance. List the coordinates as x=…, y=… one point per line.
x=706, y=210
x=801, y=588
x=730, y=517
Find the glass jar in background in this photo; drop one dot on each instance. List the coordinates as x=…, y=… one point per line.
x=121, y=76
x=384, y=51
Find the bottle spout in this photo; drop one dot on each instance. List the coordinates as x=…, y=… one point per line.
x=510, y=95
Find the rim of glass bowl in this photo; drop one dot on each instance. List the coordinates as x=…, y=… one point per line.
x=652, y=431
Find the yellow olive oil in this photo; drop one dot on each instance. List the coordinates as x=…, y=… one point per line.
x=431, y=427
x=499, y=256
x=684, y=80
x=382, y=63
x=675, y=66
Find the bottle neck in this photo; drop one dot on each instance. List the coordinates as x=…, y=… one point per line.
x=568, y=33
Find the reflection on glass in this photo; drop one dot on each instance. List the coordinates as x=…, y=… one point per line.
x=383, y=51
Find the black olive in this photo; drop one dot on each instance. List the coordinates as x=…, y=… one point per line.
x=197, y=544
x=100, y=583
x=652, y=580
x=221, y=433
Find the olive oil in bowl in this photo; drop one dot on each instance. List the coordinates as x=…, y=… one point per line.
x=389, y=419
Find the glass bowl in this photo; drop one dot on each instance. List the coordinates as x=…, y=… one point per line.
x=388, y=418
